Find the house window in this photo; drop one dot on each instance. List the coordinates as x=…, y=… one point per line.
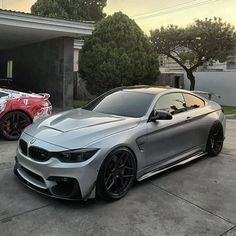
x=9, y=69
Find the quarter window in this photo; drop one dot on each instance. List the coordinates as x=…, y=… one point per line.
x=193, y=102
x=173, y=103
x=3, y=94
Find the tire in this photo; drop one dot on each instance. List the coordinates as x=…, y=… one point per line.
x=215, y=140
x=117, y=174
x=13, y=123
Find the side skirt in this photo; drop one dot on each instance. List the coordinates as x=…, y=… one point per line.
x=181, y=162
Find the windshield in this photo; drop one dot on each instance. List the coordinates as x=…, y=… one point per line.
x=122, y=103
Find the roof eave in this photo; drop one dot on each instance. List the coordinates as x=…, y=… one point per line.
x=45, y=23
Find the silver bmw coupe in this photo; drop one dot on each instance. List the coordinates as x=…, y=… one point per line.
x=126, y=134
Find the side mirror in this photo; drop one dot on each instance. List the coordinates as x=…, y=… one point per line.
x=160, y=115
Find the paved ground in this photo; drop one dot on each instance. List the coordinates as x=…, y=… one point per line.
x=197, y=199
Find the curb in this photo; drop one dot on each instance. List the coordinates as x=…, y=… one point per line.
x=233, y=116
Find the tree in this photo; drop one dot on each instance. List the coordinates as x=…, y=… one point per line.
x=117, y=54
x=204, y=41
x=89, y=10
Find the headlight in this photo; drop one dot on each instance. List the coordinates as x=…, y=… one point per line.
x=79, y=155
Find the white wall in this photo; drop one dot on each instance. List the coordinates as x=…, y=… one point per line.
x=221, y=83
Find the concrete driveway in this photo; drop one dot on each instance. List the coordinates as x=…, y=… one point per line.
x=196, y=199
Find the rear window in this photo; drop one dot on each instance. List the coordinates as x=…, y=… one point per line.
x=193, y=102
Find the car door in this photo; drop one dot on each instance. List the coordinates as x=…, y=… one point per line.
x=195, y=127
x=166, y=137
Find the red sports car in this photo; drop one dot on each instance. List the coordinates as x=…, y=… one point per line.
x=18, y=110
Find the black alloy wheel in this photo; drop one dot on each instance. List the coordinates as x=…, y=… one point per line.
x=13, y=123
x=215, y=140
x=117, y=174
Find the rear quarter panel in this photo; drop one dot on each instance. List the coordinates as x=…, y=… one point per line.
x=213, y=114
x=32, y=106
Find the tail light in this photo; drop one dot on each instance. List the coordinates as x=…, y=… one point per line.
x=46, y=104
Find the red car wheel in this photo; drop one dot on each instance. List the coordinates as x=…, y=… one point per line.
x=13, y=123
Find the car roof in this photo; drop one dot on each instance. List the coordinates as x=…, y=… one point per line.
x=146, y=89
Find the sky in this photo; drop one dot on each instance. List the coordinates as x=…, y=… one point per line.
x=152, y=14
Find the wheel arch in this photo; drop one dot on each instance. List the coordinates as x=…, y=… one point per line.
x=98, y=190
x=19, y=110
x=106, y=156
x=117, y=147
x=8, y=113
x=214, y=124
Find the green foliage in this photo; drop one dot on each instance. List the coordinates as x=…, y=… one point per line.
x=117, y=54
x=90, y=10
x=204, y=41
x=79, y=103
x=229, y=110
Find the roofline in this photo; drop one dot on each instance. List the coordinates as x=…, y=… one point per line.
x=11, y=18
x=136, y=87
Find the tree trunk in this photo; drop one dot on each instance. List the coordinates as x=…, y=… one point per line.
x=191, y=78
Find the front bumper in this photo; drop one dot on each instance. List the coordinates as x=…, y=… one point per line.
x=73, y=181
x=63, y=187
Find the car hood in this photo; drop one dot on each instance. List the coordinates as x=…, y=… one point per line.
x=78, y=128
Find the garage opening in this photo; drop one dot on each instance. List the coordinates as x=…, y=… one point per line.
x=37, y=54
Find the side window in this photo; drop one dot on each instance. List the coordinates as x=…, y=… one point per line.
x=173, y=103
x=193, y=102
x=3, y=94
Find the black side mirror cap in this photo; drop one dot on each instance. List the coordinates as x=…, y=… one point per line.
x=160, y=115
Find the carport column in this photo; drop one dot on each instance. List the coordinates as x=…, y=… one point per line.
x=66, y=71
